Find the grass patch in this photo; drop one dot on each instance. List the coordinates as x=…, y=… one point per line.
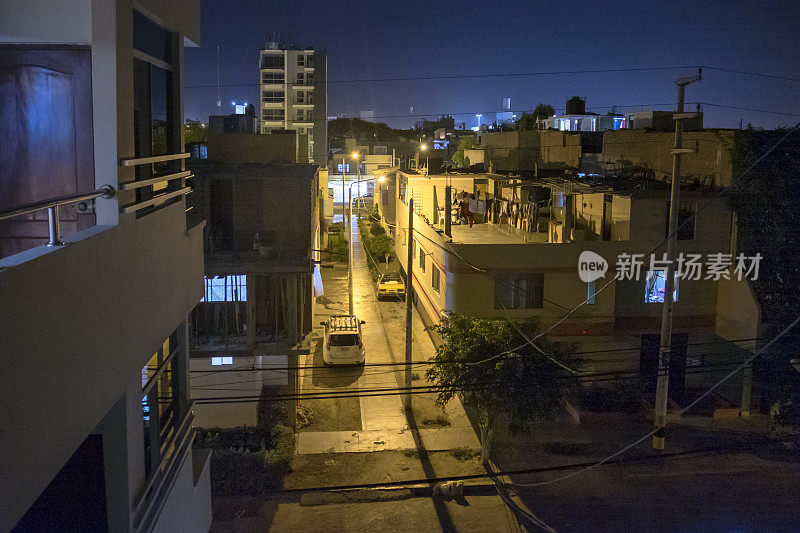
x=464, y=453
x=441, y=420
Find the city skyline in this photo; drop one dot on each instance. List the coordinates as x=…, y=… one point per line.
x=464, y=69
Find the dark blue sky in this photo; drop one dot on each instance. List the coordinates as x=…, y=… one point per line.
x=367, y=40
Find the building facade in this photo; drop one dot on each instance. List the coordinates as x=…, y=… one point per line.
x=293, y=87
x=261, y=282
x=520, y=261
x=97, y=425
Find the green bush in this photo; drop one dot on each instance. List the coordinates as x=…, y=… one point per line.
x=377, y=229
x=464, y=453
x=254, y=464
x=336, y=227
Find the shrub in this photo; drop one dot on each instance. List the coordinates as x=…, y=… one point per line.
x=246, y=461
x=464, y=453
x=377, y=229
x=438, y=420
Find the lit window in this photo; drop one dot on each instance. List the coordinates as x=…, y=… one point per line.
x=217, y=361
x=655, y=286
x=226, y=289
x=590, y=292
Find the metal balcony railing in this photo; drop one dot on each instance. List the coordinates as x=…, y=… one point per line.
x=154, y=182
x=52, y=205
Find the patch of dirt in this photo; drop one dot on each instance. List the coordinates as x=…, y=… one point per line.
x=374, y=467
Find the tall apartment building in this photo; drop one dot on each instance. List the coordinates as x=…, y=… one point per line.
x=294, y=95
x=96, y=423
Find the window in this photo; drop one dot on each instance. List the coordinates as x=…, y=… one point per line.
x=272, y=61
x=590, y=292
x=305, y=78
x=346, y=166
x=273, y=114
x=271, y=78
x=655, y=286
x=518, y=291
x=272, y=97
x=686, y=212
x=435, y=278
x=422, y=258
x=160, y=401
x=226, y=289
x=302, y=116
x=344, y=339
x=301, y=60
x=413, y=249
x=217, y=361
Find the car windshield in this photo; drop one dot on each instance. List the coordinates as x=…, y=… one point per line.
x=387, y=279
x=344, y=339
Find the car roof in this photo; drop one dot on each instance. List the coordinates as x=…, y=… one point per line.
x=343, y=324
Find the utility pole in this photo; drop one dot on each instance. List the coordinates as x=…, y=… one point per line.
x=409, y=289
x=344, y=166
x=350, y=253
x=662, y=385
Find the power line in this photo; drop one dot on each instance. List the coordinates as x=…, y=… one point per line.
x=467, y=76
x=658, y=428
x=760, y=75
x=751, y=109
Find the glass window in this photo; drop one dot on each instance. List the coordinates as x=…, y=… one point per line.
x=590, y=292
x=655, y=286
x=271, y=77
x=301, y=60
x=217, y=361
x=435, y=278
x=273, y=114
x=686, y=215
x=344, y=339
x=518, y=291
x=422, y=258
x=272, y=96
x=150, y=38
x=272, y=61
x=226, y=289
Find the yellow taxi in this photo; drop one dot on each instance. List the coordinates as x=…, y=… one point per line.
x=391, y=285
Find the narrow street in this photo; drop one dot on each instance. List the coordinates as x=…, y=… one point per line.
x=372, y=423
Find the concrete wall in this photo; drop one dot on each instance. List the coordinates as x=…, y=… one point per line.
x=252, y=148
x=188, y=507
x=515, y=151
x=651, y=150
x=44, y=21
x=92, y=314
x=738, y=314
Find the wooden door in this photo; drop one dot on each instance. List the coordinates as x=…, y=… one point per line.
x=46, y=144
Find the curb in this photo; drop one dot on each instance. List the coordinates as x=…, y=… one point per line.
x=386, y=494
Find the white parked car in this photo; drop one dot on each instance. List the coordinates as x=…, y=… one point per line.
x=342, y=341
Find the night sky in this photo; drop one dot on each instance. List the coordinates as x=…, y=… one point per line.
x=368, y=40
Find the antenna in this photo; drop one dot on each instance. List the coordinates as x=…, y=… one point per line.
x=219, y=98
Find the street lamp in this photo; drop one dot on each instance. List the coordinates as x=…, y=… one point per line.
x=424, y=147
x=479, y=121
x=380, y=179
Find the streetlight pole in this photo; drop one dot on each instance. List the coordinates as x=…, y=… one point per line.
x=424, y=148
x=358, y=189
x=344, y=166
x=409, y=305
x=662, y=384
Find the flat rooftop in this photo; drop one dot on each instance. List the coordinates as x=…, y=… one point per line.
x=494, y=234
x=259, y=171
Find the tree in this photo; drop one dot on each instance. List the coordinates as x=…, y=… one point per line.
x=381, y=246
x=459, y=159
x=377, y=229
x=527, y=121
x=194, y=132
x=520, y=386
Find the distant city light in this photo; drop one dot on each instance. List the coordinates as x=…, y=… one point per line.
x=354, y=155
x=233, y=103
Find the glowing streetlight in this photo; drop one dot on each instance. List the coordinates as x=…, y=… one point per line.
x=479, y=119
x=423, y=147
x=354, y=155
x=381, y=179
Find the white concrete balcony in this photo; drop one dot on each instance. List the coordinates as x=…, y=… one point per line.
x=272, y=105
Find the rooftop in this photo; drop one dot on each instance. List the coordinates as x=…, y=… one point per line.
x=253, y=171
x=493, y=234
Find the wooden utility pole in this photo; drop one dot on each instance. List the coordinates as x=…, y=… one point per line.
x=409, y=302
x=662, y=384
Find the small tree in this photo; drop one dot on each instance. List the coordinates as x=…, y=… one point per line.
x=377, y=229
x=459, y=159
x=520, y=386
x=380, y=246
x=527, y=121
